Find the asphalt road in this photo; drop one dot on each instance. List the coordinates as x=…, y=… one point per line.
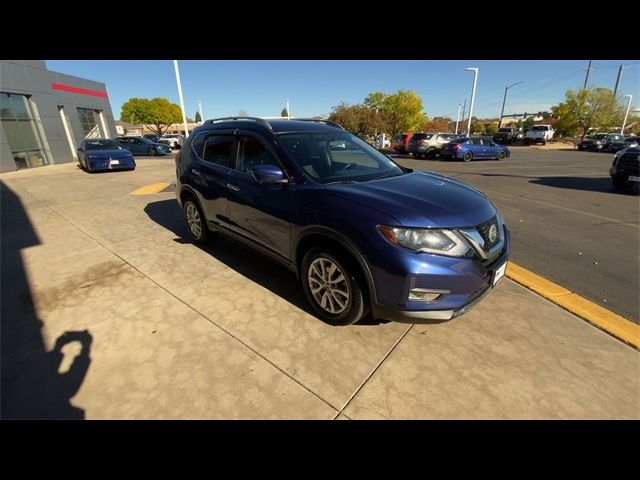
x=567, y=222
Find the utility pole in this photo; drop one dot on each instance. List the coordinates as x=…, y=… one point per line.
x=504, y=100
x=458, y=119
x=626, y=114
x=615, y=90
x=586, y=79
x=473, y=95
x=200, y=108
x=288, y=112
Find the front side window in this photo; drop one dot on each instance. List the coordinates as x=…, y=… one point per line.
x=252, y=153
x=337, y=157
x=218, y=149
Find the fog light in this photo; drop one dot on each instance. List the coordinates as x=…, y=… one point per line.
x=426, y=295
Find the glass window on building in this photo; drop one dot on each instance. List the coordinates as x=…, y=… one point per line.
x=18, y=122
x=89, y=123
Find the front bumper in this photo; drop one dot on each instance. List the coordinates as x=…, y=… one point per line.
x=468, y=280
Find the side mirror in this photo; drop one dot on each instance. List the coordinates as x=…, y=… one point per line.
x=267, y=174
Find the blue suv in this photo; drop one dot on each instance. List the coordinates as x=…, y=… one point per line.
x=362, y=233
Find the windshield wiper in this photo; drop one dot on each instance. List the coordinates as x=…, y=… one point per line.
x=341, y=181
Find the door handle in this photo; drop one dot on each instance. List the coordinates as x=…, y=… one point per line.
x=233, y=187
x=195, y=172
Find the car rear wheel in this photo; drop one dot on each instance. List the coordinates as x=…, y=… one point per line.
x=500, y=155
x=416, y=155
x=431, y=153
x=621, y=183
x=467, y=157
x=196, y=223
x=331, y=286
x=152, y=152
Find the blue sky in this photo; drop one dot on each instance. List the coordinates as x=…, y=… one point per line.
x=260, y=87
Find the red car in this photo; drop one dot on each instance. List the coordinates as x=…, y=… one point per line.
x=400, y=142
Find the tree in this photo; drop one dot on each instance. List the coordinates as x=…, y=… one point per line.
x=198, y=117
x=585, y=109
x=284, y=112
x=438, y=124
x=156, y=114
x=358, y=119
x=402, y=111
x=490, y=128
x=242, y=113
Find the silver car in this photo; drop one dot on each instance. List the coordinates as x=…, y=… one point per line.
x=174, y=140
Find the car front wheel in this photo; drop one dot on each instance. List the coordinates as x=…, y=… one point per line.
x=331, y=286
x=621, y=183
x=500, y=155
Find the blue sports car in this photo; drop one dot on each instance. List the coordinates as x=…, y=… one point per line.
x=143, y=146
x=471, y=148
x=99, y=154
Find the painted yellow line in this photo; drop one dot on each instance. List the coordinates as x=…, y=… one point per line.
x=602, y=318
x=150, y=189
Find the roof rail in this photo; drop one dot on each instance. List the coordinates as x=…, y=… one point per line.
x=328, y=122
x=259, y=121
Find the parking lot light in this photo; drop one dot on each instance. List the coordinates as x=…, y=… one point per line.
x=184, y=115
x=624, y=122
x=504, y=101
x=473, y=95
x=457, y=120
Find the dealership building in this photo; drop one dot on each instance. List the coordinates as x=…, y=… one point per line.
x=45, y=115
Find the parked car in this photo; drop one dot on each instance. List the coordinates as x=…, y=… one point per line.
x=382, y=142
x=154, y=137
x=630, y=142
x=361, y=232
x=625, y=169
x=508, y=135
x=400, y=142
x=471, y=148
x=539, y=133
x=100, y=154
x=143, y=146
x=613, y=142
x=593, y=142
x=174, y=140
x=428, y=145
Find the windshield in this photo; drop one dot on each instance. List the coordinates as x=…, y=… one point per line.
x=102, y=145
x=505, y=130
x=459, y=140
x=598, y=137
x=421, y=136
x=540, y=127
x=337, y=157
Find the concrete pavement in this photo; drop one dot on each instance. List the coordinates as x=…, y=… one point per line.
x=108, y=311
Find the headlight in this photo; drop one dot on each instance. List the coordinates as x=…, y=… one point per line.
x=441, y=242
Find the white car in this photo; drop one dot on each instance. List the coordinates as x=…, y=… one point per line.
x=539, y=133
x=174, y=140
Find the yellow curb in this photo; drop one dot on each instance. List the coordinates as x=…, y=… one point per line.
x=608, y=321
x=150, y=189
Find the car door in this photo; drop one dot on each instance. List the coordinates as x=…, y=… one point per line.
x=138, y=147
x=261, y=213
x=490, y=148
x=477, y=147
x=211, y=168
x=124, y=143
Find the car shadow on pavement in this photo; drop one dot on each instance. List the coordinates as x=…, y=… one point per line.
x=32, y=385
x=248, y=263
x=600, y=184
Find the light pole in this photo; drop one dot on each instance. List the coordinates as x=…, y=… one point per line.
x=200, y=108
x=184, y=115
x=458, y=119
x=504, y=101
x=288, y=112
x=473, y=95
x=624, y=122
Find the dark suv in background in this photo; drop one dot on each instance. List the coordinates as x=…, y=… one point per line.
x=361, y=232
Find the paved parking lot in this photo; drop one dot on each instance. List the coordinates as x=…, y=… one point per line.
x=108, y=311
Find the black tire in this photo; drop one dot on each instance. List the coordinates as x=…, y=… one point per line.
x=467, y=157
x=500, y=155
x=152, y=152
x=580, y=147
x=356, y=306
x=416, y=155
x=621, y=183
x=527, y=142
x=431, y=153
x=193, y=216
x=544, y=142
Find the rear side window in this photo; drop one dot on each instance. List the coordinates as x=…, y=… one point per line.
x=476, y=141
x=218, y=149
x=422, y=136
x=253, y=153
x=444, y=137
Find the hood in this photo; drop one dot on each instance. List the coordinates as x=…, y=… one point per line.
x=95, y=154
x=421, y=199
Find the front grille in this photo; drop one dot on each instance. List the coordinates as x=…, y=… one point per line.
x=484, y=229
x=630, y=163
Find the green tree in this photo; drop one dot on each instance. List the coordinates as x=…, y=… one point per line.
x=284, y=112
x=358, y=119
x=156, y=114
x=490, y=128
x=198, y=117
x=585, y=109
x=402, y=111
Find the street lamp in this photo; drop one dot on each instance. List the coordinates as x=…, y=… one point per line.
x=504, y=100
x=200, y=108
x=624, y=122
x=288, y=112
x=184, y=115
x=458, y=119
x=473, y=95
